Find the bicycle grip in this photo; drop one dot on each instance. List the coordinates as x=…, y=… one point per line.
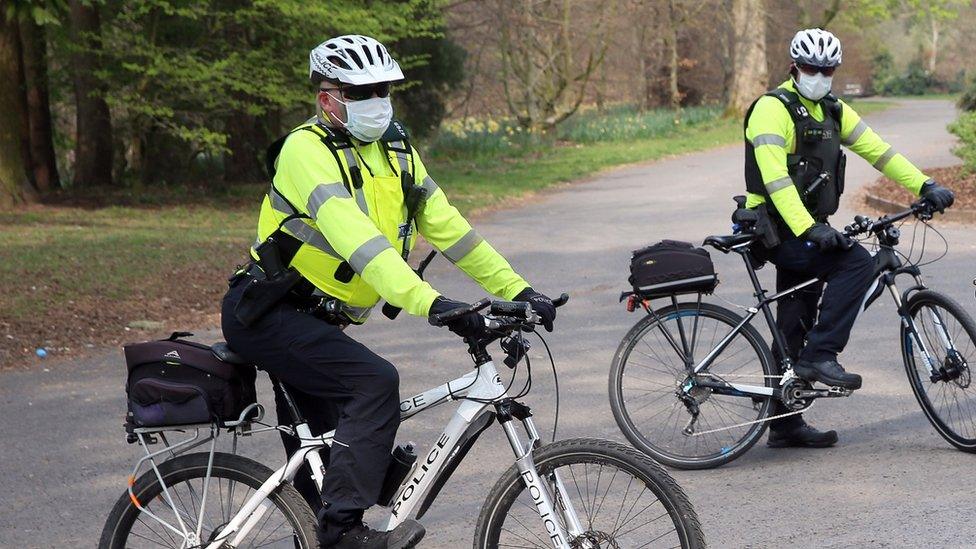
x=516, y=309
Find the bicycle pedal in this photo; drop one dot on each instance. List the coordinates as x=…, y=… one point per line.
x=839, y=392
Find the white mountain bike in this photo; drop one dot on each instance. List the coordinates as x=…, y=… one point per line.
x=577, y=493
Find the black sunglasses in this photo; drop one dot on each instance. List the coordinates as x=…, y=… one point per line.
x=362, y=92
x=813, y=69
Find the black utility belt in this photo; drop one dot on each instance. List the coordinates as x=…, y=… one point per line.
x=289, y=287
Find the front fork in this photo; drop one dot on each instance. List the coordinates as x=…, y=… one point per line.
x=935, y=369
x=561, y=522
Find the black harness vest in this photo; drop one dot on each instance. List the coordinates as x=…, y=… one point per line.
x=817, y=166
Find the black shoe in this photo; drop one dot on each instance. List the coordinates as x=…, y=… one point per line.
x=408, y=534
x=801, y=435
x=827, y=372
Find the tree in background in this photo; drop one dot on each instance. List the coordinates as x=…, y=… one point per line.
x=27, y=160
x=434, y=67
x=749, y=50
x=549, y=51
x=93, y=123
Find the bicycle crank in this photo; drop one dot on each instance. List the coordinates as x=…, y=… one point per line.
x=798, y=394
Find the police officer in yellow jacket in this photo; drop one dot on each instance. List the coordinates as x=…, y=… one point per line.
x=349, y=196
x=795, y=175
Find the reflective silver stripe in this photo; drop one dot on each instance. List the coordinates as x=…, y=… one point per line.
x=884, y=159
x=309, y=235
x=779, y=184
x=401, y=156
x=463, y=246
x=322, y=193
x=351, y=163
x=769, y=139
x=367, y=252
x=361, y=200
x=279, y=204
x=429, y=185
x=856, y=133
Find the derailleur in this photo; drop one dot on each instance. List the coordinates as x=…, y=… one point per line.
x=798, y=394
x=691, y=396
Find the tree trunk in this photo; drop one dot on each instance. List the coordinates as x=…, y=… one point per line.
x=93, y=144
x=933, y=58
x=15, y=186
x=246, y=142
x=42, y=160
x=749, y=48
x=671, y=39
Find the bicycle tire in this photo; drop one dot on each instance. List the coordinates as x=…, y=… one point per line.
x=943, y=422
x=598, y=453
x=630, y=428
x=194, y=466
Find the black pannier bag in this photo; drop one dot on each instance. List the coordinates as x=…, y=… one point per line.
x=671, y=267
x=179, y=382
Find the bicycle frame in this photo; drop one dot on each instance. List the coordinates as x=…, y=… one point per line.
x=887, y=266
x=482, y=398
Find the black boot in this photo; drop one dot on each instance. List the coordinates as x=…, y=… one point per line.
x=800, y=434
x=408, y=534
x=828, y=372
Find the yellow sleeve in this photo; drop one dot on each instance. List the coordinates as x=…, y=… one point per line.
x=861, y=139
x=314, y=180
x=447, y=230
x=770, y=130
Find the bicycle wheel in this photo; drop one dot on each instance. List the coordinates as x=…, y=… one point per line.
x=648, y=375
x=288, y=523
x=949, y=334
x=621, y=497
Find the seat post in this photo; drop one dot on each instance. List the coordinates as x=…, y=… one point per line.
x=279, y=387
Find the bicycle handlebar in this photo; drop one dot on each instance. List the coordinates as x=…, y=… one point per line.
x=862, y=224
x=501, y=314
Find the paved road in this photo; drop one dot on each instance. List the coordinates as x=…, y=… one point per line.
x=891, y=482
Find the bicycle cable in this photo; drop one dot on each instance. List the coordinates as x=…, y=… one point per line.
x=555, y=379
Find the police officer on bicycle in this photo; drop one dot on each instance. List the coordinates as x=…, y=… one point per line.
x=348, y=197
x=794, y=175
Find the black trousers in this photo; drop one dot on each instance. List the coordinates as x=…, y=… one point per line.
x=847, y=273
x=337, y=383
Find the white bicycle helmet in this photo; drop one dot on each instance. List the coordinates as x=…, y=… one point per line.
x=816, y=47
x=352, y=59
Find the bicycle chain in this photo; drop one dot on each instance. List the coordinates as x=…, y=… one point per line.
x=743, y=424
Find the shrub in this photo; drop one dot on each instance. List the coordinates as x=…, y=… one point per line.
x=965, y=129
x=967, y=101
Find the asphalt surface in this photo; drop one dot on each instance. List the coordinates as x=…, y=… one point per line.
x=890, y=482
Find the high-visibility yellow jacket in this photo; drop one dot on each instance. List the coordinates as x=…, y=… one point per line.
x=771, y=131
x=358, y=229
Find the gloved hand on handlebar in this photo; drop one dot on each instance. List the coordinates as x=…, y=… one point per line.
x=541, y=304
x=466, y=325
x=827, y=237
x=937, y=196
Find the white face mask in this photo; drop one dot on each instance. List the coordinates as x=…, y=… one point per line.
x=813, y=87
x=368, y=119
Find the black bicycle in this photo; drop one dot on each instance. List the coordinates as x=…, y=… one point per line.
x=692, y=384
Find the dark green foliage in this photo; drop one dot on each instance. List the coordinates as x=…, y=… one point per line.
x=438, y=73
x=967, y=101
x=915, y=80
x=183, y=75
x=965, y=129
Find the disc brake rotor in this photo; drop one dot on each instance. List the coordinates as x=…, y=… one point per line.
x=595, y=540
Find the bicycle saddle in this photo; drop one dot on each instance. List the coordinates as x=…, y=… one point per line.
x=724, y=243
x=225, y=354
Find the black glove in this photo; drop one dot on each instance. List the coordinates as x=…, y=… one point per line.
x=937, y=196
x=466, y=325
x=827, y=237
x=541, y=304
